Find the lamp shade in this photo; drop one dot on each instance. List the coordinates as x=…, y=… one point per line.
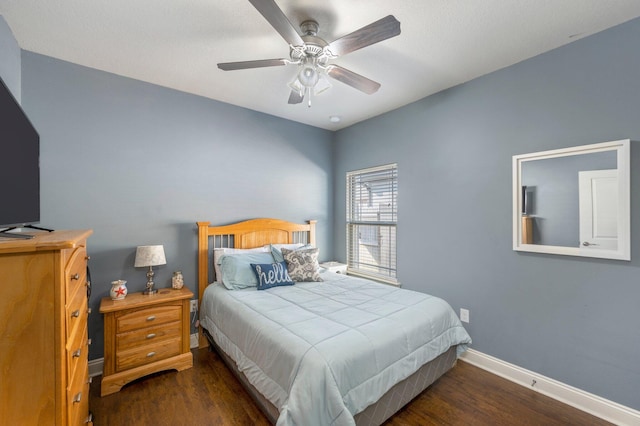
x=150, y=256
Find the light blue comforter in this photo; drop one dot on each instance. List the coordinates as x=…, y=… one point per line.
x=322, y=352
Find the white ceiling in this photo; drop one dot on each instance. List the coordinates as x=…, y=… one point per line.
x=178, y=43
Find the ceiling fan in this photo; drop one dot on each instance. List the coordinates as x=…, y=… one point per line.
x=313, y=55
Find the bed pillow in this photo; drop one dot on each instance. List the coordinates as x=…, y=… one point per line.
x=276, y=249
x=302, y=264
x=271, y=275
x=218, y=252
x=236, y=271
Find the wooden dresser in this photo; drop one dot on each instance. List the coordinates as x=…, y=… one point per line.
x=144, y=334
x=44, y=374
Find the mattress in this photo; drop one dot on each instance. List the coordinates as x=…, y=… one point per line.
x=324, y=351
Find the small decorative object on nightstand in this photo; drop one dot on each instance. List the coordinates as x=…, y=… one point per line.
x=143, y=335
x=337, y=267
x=118, y=290
x=177, y=281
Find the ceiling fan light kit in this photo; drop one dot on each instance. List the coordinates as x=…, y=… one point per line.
x=312, y=54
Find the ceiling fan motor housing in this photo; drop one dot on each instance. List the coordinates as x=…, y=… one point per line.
x=313, y=47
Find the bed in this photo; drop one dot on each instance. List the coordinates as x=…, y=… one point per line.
x=339, y=351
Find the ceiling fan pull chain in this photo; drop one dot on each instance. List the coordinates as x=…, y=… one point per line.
x=309, y=96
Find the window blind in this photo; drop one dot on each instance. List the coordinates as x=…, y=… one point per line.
x=372, y=217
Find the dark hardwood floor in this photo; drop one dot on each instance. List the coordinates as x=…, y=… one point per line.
x=208, y=394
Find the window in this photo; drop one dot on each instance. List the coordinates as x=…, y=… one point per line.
x=372, y=217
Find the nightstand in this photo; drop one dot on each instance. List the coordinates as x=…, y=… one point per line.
x=144, y=334
x=337, y=267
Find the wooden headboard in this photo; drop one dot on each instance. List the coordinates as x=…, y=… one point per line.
x=248, y=234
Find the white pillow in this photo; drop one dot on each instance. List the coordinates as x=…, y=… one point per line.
x=218, y=252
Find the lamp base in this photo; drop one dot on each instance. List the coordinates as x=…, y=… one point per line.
x=150, y=291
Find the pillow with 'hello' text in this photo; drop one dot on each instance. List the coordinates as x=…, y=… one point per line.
x=272, y=275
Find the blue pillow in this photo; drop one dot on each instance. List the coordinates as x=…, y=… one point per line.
x=271, y=275
x=236, y=271
x=276, y=249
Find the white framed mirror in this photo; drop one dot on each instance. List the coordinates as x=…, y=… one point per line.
x=574, y=201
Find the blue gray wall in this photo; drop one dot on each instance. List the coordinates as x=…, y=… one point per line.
x=573, y=319
x=140, y=164
x=10, y=60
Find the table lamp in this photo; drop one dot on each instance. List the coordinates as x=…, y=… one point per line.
x=150, y=256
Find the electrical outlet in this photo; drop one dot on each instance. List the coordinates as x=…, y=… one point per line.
x=464, y=315
x=194, y=305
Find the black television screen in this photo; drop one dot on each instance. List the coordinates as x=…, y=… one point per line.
x=19, y=164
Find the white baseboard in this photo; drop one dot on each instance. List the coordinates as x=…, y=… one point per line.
x=585, y=401
x=96, y=367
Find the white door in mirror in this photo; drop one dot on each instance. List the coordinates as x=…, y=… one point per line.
x=598, y=209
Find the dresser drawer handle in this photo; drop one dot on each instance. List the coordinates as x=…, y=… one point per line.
x=151, y=335
x=77, y=398
x=150, y=354
x=76, y=354
x=151, y=318
x=75, y=314
x=75, y=276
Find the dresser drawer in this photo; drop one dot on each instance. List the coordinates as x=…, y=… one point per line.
x=148, y=354
x=148, y=335
x=77, y=353
x=146, y=317
x=76, y=272
x=76, y=312
x=78, y=398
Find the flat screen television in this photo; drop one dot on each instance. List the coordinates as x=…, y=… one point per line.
x=19, y=165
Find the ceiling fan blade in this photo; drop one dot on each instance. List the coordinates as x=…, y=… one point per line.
x=295, y=97
x=378, y=31
x=274, y=15
x=231, y=66
x=352, y=79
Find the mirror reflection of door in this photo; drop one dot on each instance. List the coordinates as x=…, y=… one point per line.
x=598, y=191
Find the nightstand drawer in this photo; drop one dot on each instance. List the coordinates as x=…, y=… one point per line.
x=148, y=335
x=148, y=354
x=146, y=317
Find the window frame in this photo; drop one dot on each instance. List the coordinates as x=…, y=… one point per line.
x=383, y=227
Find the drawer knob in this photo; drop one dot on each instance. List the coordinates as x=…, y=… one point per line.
x=75, y=314
x=76, y=354
x=90, y=380
x=77, y=398
x=151, y=318
x=87, y=257
x=150, y=354
x=75, y=276
x=151, y=335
